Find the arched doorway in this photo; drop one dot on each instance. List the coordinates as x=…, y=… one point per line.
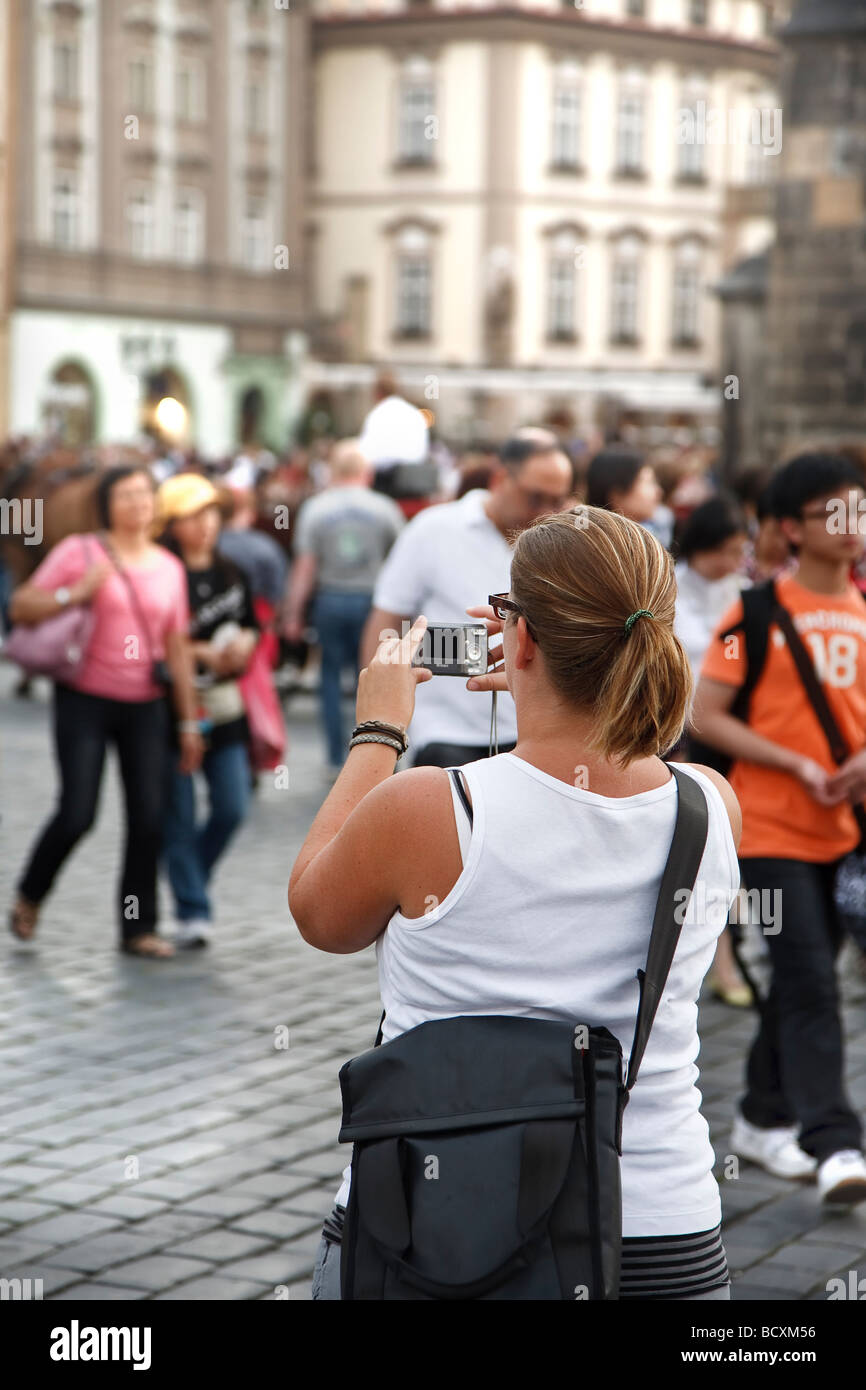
x=252, y=410
x=166, y=408
x=69, y=405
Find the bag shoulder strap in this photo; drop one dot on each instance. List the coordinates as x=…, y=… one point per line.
x=680, y=872
x=818, y=700
x=130, y=589
x=811, y=684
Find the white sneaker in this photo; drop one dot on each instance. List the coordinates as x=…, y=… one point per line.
x=196, y=932
x=776, y=1150
x=842, y=1177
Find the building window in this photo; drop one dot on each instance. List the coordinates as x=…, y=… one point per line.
x=256, y=104
x=699, y=13
x=142, y=223
x=562, y=288
x=189, y=227
x=65, y=209
x=140, y=85
x=414, y=285
x=691, y=167
x=625, y=291
x=66, y=72
x=566, y=117
x=254, y=234
x=417, y=113
x=635, y=9
x=630, y=127
x=686, y=294
x=189, y=92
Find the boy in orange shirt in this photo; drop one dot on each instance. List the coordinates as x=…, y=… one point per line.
x=798, y=825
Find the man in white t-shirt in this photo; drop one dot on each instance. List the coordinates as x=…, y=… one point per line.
x=449, y=558
x=394, y=431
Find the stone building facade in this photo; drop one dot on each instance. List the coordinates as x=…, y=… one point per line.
x=158, y=219
x=815, y=331
x=502, y=208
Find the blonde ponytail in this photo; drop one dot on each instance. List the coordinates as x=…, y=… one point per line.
x=582, y=577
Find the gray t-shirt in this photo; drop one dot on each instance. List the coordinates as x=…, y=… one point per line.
x=350, y=531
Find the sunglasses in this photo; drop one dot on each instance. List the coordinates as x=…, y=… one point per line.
x=502, y=605
x=543, y=501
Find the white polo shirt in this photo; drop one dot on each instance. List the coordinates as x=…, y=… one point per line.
x=448, y=558
x=394, y=432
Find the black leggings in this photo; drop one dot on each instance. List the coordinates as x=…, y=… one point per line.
x=84, y=725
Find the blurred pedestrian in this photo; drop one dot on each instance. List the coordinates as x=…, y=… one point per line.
x=451, y=557
x=395, y=438
x=341, y=540
x=224, y=633
x=620, y=480
x=711, y=547
x=118, y=695
x=796, y=1118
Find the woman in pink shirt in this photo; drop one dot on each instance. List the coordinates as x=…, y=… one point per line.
x=139, y=597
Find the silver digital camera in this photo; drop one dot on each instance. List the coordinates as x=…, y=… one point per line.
x=454, y=649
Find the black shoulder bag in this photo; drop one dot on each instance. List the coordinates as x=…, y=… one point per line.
x=486, y=1161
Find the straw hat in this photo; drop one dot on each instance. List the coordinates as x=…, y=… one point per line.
x=184, y=495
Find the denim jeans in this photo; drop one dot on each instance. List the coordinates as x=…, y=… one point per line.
x=84, y=725
x=339, y=620
x=795, y=1071
x=190, y=850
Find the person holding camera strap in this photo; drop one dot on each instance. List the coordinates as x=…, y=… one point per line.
x=543, y=907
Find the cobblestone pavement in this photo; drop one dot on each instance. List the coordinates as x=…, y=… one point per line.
x=158, y=1141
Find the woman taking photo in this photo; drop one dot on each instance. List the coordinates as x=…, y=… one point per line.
x=224, y=633
x=138, y=594
x=498, y=918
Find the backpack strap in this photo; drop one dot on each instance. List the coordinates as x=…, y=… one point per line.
x=758, y=604
x=680, y=872
x=817, y=699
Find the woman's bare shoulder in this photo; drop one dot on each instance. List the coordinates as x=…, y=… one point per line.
x=728, y=795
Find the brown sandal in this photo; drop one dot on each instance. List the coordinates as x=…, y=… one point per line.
x=23, y=919
x=148, y=945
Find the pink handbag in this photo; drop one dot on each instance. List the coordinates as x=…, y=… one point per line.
x=56, y=647
x=264, y=713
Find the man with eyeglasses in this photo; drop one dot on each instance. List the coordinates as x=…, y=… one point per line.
x=450, y=558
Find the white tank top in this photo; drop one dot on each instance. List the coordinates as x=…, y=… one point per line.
x=551, y=918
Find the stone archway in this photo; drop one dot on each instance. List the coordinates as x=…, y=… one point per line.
x=69, y=405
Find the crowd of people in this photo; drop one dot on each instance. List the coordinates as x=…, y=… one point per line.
x=644, y=614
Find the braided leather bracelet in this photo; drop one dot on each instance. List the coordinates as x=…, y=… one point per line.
x=378, y=738
x=380, y=726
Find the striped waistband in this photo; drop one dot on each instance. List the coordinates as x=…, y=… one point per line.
x=651, y=1266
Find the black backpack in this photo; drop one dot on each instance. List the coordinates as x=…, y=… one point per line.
x=486, y=1161
x=758, y=605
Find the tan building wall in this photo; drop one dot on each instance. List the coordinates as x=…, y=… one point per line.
x=163, y=141
x=7, y=181
x=491, y=204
